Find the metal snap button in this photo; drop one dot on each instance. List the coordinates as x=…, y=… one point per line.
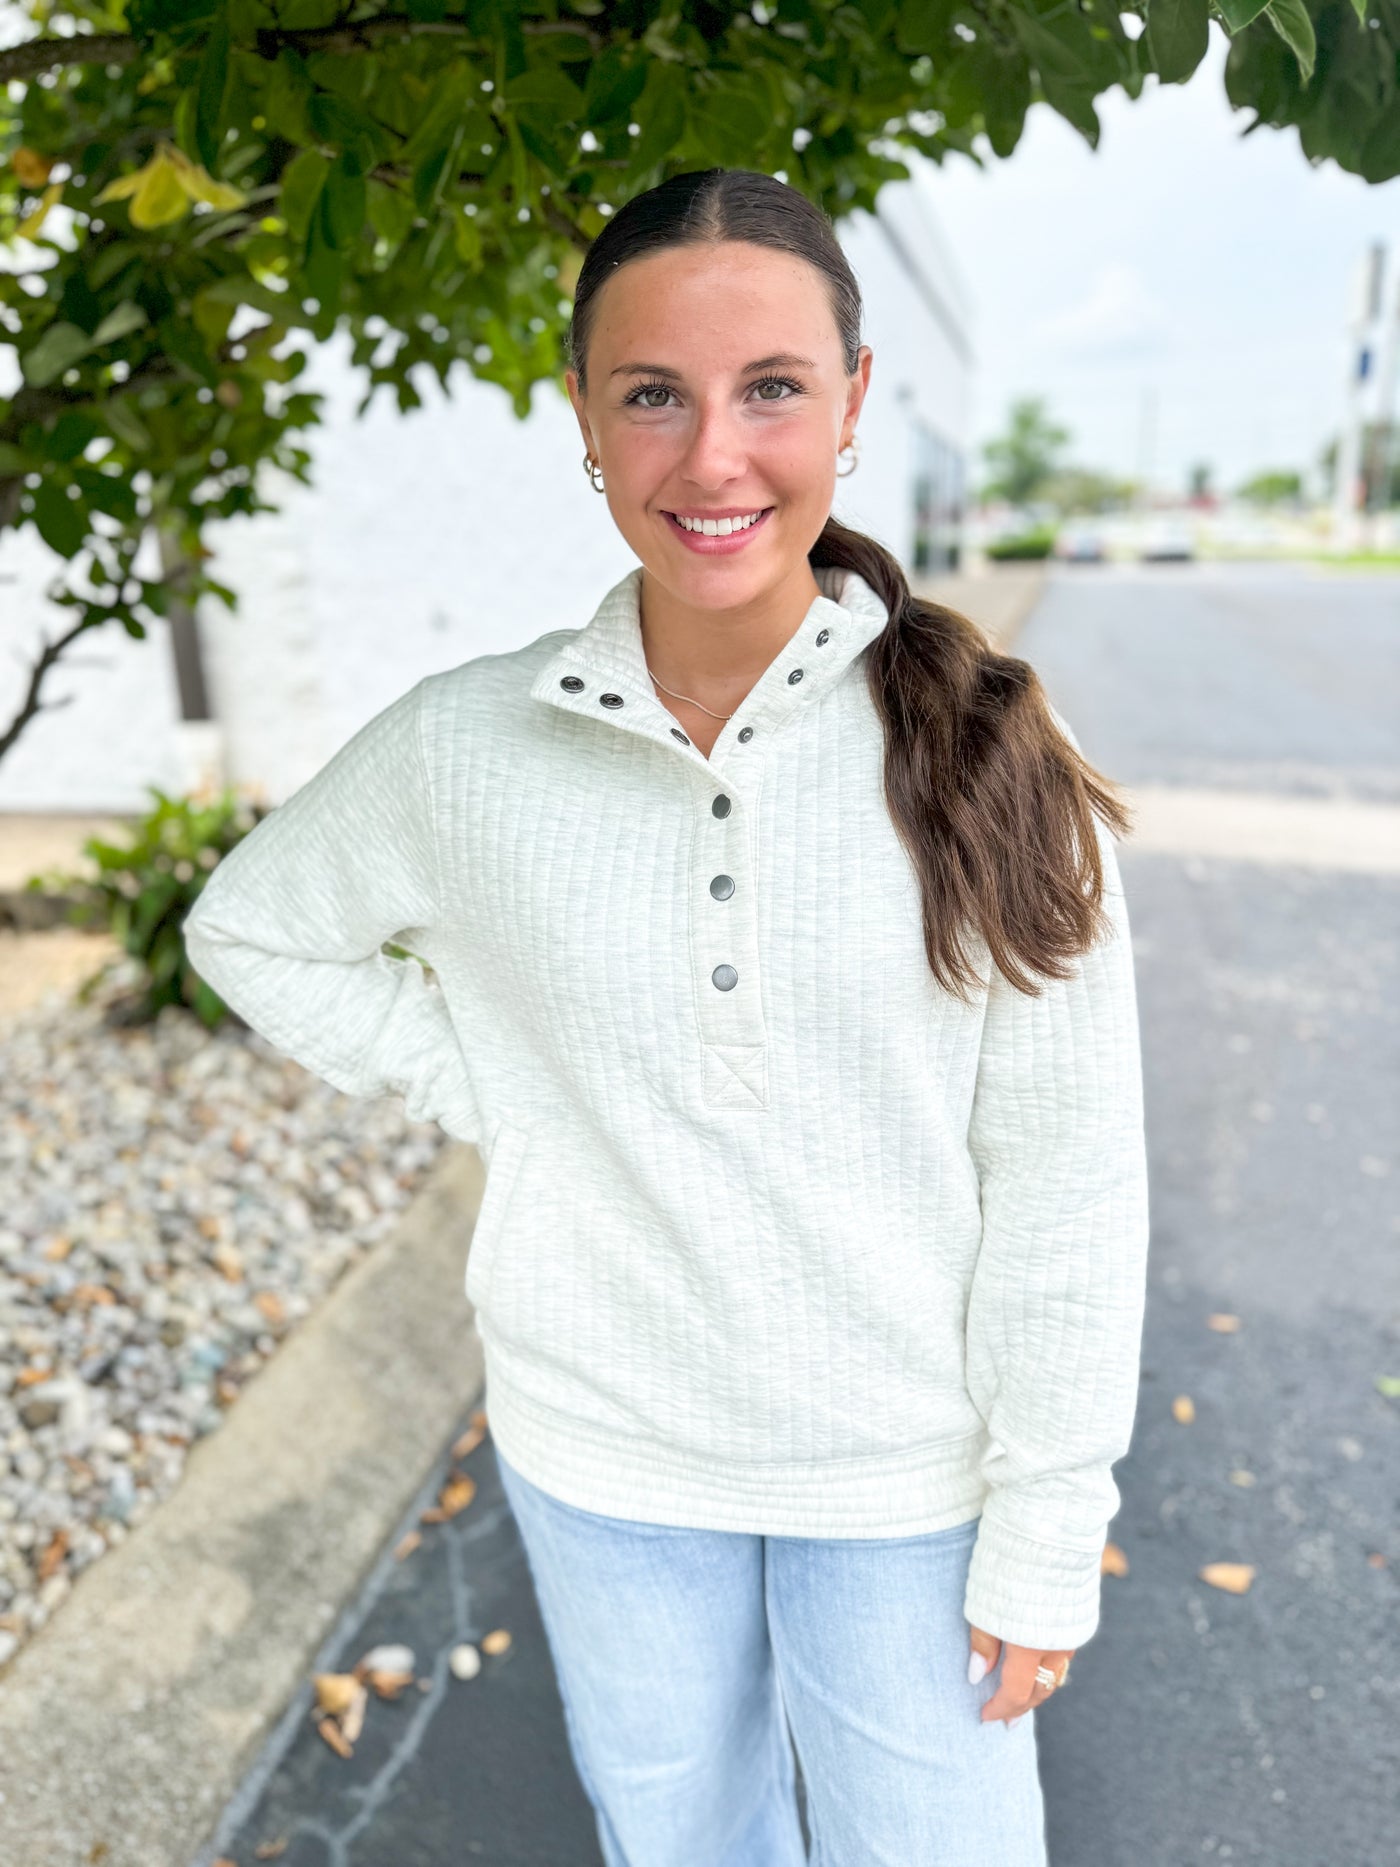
x=794, y=677
x=676, y=733
x=745, y=734
x=572, y=684
x=721, y=806
x=725, y=978
x=610, y=700
x=823, y=638
x=722, y=887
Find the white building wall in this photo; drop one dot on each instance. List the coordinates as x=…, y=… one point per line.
x=453, y=531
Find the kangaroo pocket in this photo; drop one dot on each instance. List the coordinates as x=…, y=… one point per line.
x=503, y=1171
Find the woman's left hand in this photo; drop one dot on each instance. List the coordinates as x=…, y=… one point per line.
x=1019, y=1691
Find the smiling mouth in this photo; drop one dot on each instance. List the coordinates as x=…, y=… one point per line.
x=719, y=528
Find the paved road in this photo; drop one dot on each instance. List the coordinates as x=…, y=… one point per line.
x=1201, y=1726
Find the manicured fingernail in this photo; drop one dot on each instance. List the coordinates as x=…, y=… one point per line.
x=1011, y=1723
x=976, y=1667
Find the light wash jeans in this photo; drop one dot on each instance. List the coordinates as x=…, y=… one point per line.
x=684, y=1658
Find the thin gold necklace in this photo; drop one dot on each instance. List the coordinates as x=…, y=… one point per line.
x=693, y=703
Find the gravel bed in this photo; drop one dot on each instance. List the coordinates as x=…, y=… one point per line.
x=175, y=1202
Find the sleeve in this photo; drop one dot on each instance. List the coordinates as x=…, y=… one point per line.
x=288, y=928
x=1055, y=1311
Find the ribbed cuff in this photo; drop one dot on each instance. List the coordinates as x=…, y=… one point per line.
x=1032, y=1594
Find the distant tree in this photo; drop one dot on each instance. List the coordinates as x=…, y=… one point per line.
x=1083, y=489
x=1199, y=481
x=1270, y=489
x=1023, y=460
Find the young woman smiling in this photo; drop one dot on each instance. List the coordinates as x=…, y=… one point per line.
x=786, y=985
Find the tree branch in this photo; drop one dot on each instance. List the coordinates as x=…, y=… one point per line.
x=31, y=705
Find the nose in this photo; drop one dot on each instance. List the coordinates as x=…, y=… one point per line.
x=717, y=450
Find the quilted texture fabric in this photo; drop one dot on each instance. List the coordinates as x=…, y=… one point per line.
x=777, y=1235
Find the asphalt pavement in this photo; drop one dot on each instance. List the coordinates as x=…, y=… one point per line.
x=1201, y=1725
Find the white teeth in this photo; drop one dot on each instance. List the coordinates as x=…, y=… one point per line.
x=719, y=528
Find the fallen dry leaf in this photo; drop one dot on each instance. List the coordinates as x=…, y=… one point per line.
x=1184, y=1409
x=1242, y=1477
x=330, y=1731
x=57, y=1249
x=454, y=1496
x=1114, y=1561
x=269, y=1850
x=407, y=1544
x=469, y=1441
x=52, y=1559
x=1234, y=1577
x=29, y=1377
x=388, y=1685
x=353, y=1719
x=1376, y=1559
x=1223, y=1324
x=496, y=1642
x=335, y=1692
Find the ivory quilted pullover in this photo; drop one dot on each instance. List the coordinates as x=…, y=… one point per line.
x=778, y=1236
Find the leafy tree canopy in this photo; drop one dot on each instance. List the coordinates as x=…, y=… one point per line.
x=1023, y=461
x=194, y=192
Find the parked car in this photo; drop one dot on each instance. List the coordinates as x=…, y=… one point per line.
x=1080, y=544
x=1167, y=540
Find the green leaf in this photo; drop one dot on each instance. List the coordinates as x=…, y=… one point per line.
x=343, y=206
x=1293, y=24
x=14, y=460
x=123, y=421
x=1389, y=1384
x=210, y=93
x=302, y=181
x=127, y=317
x=70, y=434
x=555, y=96
x=287, y=97
x=613, y=87
x=61, y=522
x=1178, y=33
x=58, y=348
x=661, y=111
x=1238, y=13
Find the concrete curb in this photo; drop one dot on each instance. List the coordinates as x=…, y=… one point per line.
x=130, y=1719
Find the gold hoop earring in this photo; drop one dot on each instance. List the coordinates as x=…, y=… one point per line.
x=844, y=473
x=594, y=471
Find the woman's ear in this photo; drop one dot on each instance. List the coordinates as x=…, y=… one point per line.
x=571, y=384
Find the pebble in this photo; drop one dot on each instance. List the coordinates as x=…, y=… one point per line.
x=176, y=1201
x=464, y=1662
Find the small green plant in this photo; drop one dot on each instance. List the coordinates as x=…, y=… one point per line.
x=143, y=891
x=1038, y=543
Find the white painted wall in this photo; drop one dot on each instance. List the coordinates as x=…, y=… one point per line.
x=453, y=531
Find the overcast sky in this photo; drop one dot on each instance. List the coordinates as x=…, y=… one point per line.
x=1211, y=272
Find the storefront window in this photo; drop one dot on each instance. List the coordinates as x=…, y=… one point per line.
x=938, y=502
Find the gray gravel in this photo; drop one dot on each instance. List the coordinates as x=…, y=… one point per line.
x=174, y=1202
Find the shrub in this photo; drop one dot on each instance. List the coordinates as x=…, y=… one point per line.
x=143, y=891
x=1033, y=544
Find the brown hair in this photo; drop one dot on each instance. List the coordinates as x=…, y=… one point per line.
x=992, y=801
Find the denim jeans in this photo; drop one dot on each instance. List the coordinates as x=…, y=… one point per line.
x=686, y=1657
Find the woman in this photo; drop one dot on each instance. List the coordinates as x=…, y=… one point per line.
x=786, y=984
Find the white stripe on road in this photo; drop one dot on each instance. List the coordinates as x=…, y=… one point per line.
x=1252, y=826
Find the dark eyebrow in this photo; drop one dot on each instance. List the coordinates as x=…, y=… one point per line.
x=783, y=359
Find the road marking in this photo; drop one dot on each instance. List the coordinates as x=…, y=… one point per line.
x=1253, y=826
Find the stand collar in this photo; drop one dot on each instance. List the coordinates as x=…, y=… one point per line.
x=601, y=671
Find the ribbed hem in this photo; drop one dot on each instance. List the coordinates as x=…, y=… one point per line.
x=1030, y=1593
x=910, y=1493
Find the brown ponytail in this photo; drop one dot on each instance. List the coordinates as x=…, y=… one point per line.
x=992, y=801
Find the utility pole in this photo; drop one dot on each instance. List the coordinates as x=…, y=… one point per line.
x=1363, y=312
x=1379, y=466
